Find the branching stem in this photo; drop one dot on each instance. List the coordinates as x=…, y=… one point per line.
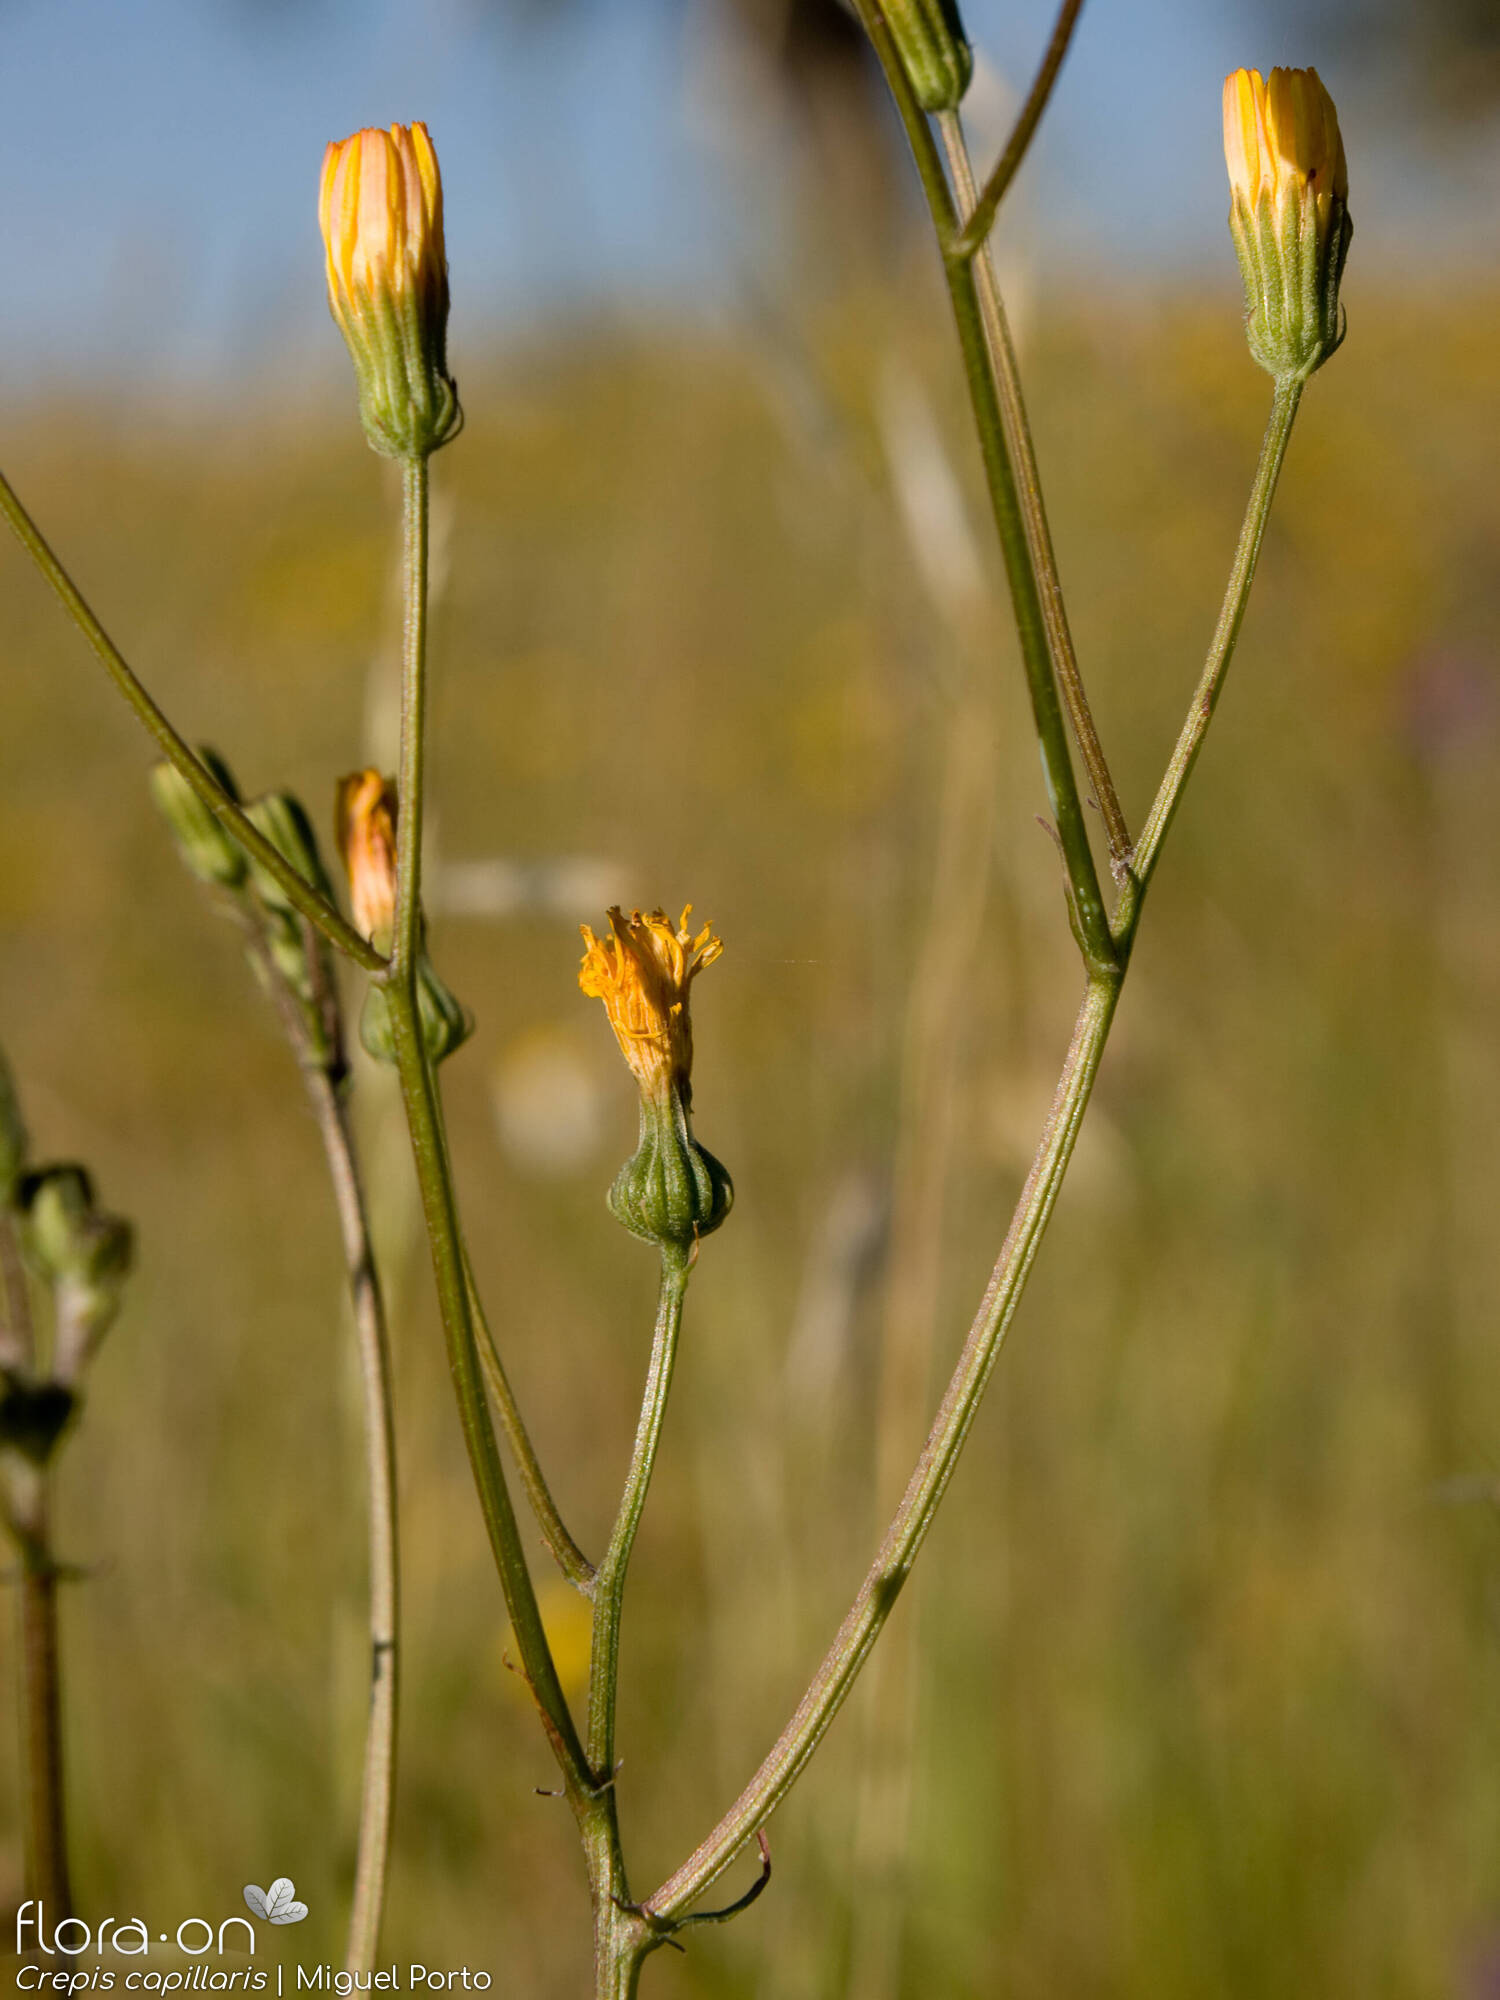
x=1085, y=901
x=981, y=217
x=1007, y=378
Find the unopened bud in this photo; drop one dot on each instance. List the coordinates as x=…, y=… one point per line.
x=209, y=850
x=57, y=1202
x=446, y=1023
x=934, y=50
x=1288, y=215
x=83, y=1253
x=381, y=211
x=284, y=822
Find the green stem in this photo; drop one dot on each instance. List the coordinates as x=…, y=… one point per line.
x=621, y=1940
x=1086, y=904
x=1221, y=650
x=419, y=1094
x=609, y=1583
x=42, y=1742
x=322, y=1075
x=981, y=219
x=908, y=1528
x=407, y=937
x=569, y=1558
x=1007, y=378
x=430, y=1158
x=300, y=894
x=378, y=1788
x=844, y=1659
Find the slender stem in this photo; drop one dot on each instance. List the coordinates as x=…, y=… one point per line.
x=419, y=1092
x=302, y=896
x=430, y=1158
x=321, y=1076
x=981, y=219
x=377, y=1794
x=408, y=927
x=569, y=1558
x=1221, y=650
x=908, y=1528
x=621, y=1939
x=1086, y=905
x=609, y=1584
x=1007, y=376
x=46, y=1817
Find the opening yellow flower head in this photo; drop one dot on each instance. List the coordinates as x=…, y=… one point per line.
x=365, y=828
x=380, y=205
x=1288, y=214
x=642, y=972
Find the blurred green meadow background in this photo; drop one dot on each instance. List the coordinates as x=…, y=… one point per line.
x=1197, y=1688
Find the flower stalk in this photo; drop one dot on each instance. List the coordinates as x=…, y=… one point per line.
x=419, y=1091
x=1284, y=405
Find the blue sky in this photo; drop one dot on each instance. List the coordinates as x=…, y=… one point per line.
x=160, y=160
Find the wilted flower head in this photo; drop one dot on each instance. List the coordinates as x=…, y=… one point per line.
x=381, y=210
x=1289, y=214
x=642, y=972
x=672, y=1192
x=365, y=828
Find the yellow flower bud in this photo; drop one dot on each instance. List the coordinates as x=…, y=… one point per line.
x=381, y=211
x=1288, y=214
x=365, y=829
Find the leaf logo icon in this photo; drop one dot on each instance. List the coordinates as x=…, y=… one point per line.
x=278, y=1904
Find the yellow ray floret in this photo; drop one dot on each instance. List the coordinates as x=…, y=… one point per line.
x=381, y=209
x=642, y=972
x=1282, y=135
